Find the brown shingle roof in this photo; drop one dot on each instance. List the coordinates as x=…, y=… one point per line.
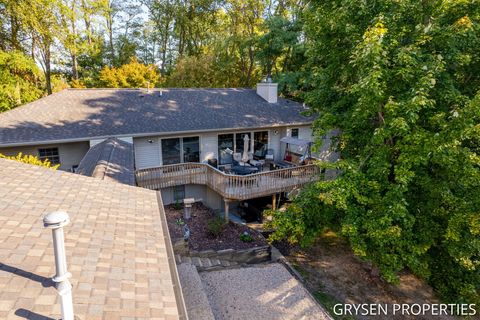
x=88, y=113
x=111, y=159
x=115, y=247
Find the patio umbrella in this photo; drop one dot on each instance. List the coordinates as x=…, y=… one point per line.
x=245, y=148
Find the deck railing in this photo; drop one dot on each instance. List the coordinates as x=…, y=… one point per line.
x=232, y=187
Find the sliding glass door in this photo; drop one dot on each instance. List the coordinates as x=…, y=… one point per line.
x=175, y=150
x=191, y=149
x=170, y=151
x=239, y=141
x=260, y=145
x=225, y=148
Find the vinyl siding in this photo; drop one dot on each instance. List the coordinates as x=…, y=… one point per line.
x=70, y=153
x=147, y=154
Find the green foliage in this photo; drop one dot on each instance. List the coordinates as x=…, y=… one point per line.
x=18, y=80
x=215, y=226
x=203, y=71
x=131, y=75
x=29, y=159
x=177, y=205
x=246, y=237
x=401, y=81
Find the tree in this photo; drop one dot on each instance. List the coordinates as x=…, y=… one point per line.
x=401, y=81
x=131, y=75
x=205, y=71
x=40, y=18
x=19, y=78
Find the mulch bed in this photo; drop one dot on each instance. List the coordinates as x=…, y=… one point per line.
x=200, y=239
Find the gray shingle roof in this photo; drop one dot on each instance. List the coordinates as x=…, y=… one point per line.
x=115, y=245
x=87, y=113
x=111, y=159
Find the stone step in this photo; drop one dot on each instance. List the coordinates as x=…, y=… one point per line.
x=196, y=301
x=204, y=264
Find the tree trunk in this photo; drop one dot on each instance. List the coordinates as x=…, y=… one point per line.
x=74, y=66
x=48, y=74
x=46, y=63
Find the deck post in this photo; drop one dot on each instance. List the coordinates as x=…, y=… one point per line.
x=274, y=201
x=226, y=210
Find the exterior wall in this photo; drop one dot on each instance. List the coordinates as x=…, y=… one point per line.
x=148, y=151
x=274, y=142
x=213, y=200
x=305, y=133
x=70, y=153
x=198, y=192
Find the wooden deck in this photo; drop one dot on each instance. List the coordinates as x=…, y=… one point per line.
x=231, y=187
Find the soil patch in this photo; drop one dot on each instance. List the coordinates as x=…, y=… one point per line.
x=200, y=239
x=333, y=274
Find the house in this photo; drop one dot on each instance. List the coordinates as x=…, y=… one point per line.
x=118, y=247
x=166, y=127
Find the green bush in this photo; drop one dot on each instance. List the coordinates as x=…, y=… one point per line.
x=29, y=159
x=216, y=226
x=246, y=237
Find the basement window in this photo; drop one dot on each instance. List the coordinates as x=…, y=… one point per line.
x=178, y=193
x=50, y=154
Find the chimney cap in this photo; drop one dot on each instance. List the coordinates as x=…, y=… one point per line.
x=57, y=219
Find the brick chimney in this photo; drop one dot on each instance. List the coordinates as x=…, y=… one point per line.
x=268, y=90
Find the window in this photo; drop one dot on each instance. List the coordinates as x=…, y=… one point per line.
x=294, y=133
x=191, y=149
x=260, y=144
x=179, y=193
x=50, y=154
x=239, y=141
x=225, y=148
x=171, y=151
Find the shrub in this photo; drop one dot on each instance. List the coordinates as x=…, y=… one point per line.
x=216, y=226
x=246, y=237
x=31, y=160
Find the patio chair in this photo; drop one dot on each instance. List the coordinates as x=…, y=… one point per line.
x=269, y=155
x=237, y=156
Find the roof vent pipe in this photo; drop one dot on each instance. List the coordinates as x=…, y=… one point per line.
x=56, y=221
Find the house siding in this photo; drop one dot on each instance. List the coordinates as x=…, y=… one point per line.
x=70, y=153
x=147, y=154
x=150, y=154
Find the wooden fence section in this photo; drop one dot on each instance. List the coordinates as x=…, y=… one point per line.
x=232, y=187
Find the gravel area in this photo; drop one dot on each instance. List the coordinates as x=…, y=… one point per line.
x=200, y=239
x=198, y=307
x=263, y=292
